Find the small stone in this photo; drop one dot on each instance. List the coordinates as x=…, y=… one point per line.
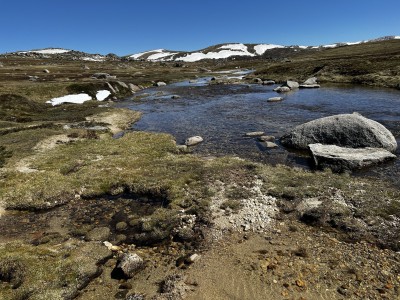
x=266, y=138
x=270, y=145
x=193, y=258
x=254, y=133
x=46, y=71
x=300, y=283
x=160, y=83
x=275, y=99
x=125, y=286
x=98, y=234
x=175, y=97
x=121, y=226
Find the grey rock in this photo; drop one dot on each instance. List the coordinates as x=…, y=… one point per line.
x=310, y=81
x=282, y=89
x=268, y=82
x=160, y=83
x=33, y=78
x=345, y=130
x=182, y=148
x=266, y=138
x=134, y=88
x=194, y=140
x=274, y=99
x=46, y=71
x=98, y=234
x=291, y=84
x=130, y=264
x=340, y=159
x=85, y=67
x=110, y=87
x=175, y=97
x=101, y=75
x=257, y=80
x=121, y=226
x=270, y=145
x=309, y=86
x=122, y=84
x=204, y=70
x=254, y=133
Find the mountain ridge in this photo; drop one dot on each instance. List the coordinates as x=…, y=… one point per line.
x=219, y=51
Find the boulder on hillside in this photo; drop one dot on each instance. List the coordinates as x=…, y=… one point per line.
x=340, y=159
x=345, y=130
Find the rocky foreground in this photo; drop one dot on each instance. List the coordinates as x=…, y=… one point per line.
x=84, y=215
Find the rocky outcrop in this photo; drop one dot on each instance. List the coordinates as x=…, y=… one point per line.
x=340, y=159
x=345, y=130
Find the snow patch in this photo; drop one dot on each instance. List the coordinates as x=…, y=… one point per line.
x=77, y=99
x=160, y=55
x=138, y=55
x=48, y=51
x=240, y=47
x=260, y=49
x=102, y=95
x=94, y=58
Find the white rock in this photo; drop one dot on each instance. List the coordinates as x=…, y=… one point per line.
x=194, y=140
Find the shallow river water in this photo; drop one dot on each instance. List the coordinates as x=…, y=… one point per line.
x=222, y=114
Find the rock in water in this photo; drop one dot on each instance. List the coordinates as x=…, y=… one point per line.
x=346, y=130
x=160, y=83
x=194, y=140
x=282, y=89
x=340, y=159
x=274, y=99
x=311, y=81
x=254, y=133
x=291, y=84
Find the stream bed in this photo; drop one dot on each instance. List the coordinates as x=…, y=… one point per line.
x=223, y=114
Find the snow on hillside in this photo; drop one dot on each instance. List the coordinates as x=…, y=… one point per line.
x=138, y=55
x=228, y=50
x=48, y=51
x=260, y=49
x=159, y=56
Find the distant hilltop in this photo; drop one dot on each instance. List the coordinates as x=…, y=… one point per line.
x=220, y=51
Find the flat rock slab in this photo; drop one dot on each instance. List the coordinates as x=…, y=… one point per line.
x=254, y=133
x=340, y=159
x=309, y=86
x=275, y=99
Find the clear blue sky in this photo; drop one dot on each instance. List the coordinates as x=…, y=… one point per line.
x=128, y=26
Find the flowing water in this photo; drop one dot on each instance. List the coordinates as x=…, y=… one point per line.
x=222, y=114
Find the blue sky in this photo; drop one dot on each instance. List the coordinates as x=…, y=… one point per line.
x=126, y=27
